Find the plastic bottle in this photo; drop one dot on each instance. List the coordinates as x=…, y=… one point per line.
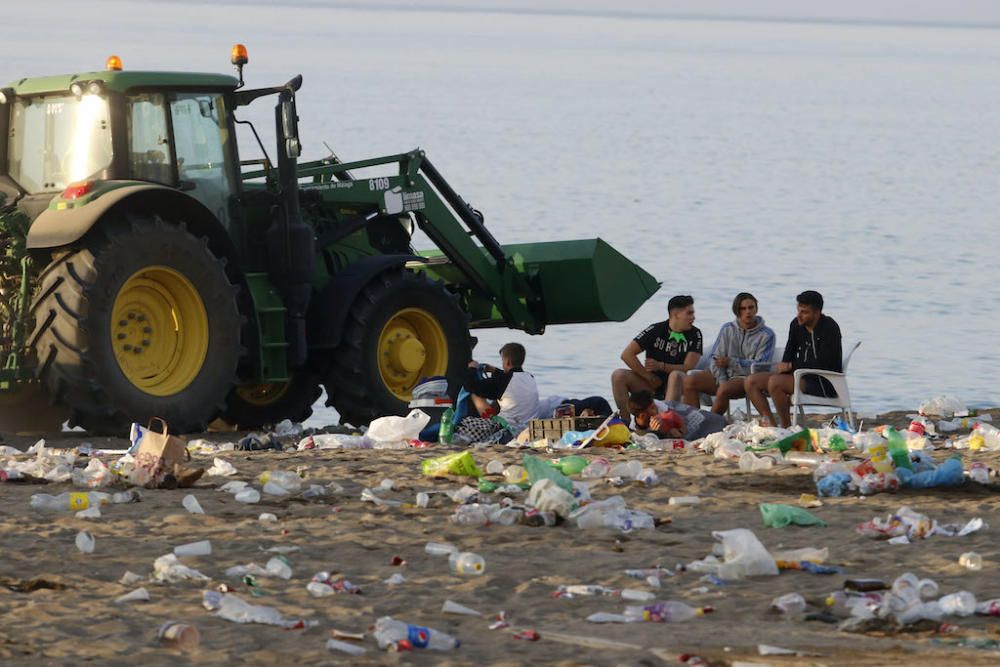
x=179, y=636
x=446, y=432
x=288, y=481
x=790, y=603
x=440, y=549
x=596, y=469
x=962, y=603
x=571, y=465
x=466, y=563
x=990, y=433
x=837, y=444
x=68, y=501
x=248, y=495
x=989, y=607
x=390, y=632
x=879, y=454
x=515, y=474
x=670, y=611
x=898, y=450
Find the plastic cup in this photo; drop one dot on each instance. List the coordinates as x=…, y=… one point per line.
x=971, y=560
x=192, y=505
x=202, y=548
x=179, y=636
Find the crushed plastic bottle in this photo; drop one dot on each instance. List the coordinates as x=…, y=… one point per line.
x=670, y=611
x=390, y=633
x=233, y=608
x=248, y=495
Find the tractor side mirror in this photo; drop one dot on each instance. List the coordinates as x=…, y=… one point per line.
x=290, y=128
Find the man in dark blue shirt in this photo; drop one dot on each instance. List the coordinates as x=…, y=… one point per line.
x=813, y=342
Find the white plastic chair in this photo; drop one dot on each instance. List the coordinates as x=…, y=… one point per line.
x=704, y=364
x=842, y=400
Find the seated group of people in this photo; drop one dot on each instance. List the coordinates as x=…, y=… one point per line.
x=741, y=358
x=660, y=392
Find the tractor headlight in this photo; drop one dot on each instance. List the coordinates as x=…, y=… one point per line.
x=76, y=89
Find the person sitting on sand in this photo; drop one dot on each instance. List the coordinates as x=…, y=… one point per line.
x=672, y=348
x=672, y=419
x=740, y=344
x=509, y=392
x=813, y=342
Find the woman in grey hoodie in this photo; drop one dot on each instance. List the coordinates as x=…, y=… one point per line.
x=740, y=344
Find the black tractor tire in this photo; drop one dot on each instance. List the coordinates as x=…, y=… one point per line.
x=250, y=407
x=76, y=337
x=355, y=386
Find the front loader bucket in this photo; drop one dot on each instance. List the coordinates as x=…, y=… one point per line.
x=584, y=280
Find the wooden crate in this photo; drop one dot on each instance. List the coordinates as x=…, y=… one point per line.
x=553, y=429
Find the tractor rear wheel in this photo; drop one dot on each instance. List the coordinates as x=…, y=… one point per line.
x=402, y=328
x=139, y=322
x=254, y=406
x=28, y=411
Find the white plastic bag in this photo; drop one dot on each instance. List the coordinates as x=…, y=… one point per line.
x=743, y=555
x=546, y=496
x=391, y=429
x=943, y=406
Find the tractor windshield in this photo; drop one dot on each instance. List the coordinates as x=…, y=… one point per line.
x=58, y=140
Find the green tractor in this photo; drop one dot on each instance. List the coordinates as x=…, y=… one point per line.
x=145, y=270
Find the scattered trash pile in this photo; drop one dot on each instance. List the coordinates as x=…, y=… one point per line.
x=548, y=487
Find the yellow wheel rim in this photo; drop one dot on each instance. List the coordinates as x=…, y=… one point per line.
x=261, y=395
x=159, y=328
x=411, y=346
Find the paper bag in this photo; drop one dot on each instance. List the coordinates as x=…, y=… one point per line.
x=159, y=455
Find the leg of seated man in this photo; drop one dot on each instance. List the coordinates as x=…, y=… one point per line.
x=702, y=382
x=675, y=385
x=755, y=386
x=727, y=391
x=624, y=382
x=781, y=386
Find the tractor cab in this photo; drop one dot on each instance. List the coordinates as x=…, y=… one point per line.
x=72, y=134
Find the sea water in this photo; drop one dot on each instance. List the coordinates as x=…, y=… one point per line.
x=770, y=155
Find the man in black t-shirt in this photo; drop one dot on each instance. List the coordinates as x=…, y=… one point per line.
x=813, y=342
x=672, y=349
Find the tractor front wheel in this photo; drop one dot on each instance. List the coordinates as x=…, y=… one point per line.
x=139, y=322
x=254, y=406
x=402, y=328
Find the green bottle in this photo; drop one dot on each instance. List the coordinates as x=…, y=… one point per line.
x=898, y=450
x=447, y=429
x=837, y=444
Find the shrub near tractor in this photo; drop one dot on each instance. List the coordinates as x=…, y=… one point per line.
x=145, y=270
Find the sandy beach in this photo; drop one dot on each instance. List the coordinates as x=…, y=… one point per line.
x=58, y=603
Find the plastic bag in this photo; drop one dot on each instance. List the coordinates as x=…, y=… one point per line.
x=546, y=495
x=743, y=555
x=949, y=473
x=779, y=516
x=390, y=429
x=538, y=469
x=943, y=406
x=459, y=463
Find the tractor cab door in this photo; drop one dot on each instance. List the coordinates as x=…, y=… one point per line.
x=204, y=150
